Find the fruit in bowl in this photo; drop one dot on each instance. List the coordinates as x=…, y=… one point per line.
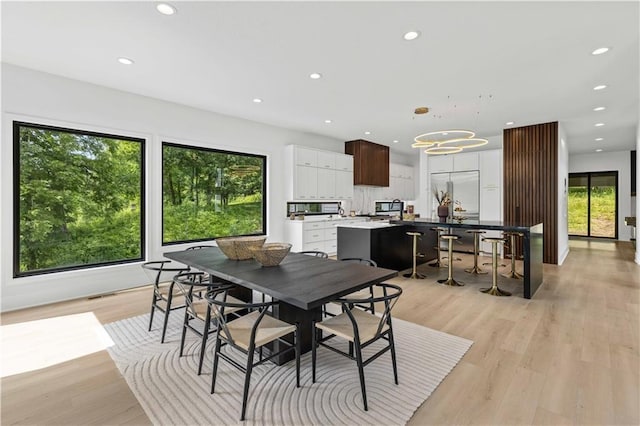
x=239, y=248
x=271, y=254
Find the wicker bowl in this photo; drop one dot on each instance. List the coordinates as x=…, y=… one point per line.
x=271, y=254
x=239, y=248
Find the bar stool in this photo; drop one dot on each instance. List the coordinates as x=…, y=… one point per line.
x=449, y=280
x=439, y=231
x=512, y=248
x=494, y=290
x=414, y=272
x=476, y=249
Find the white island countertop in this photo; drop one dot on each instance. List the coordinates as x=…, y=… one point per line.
x=367, y=225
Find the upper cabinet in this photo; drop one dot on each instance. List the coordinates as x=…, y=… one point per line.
x=318, y=175
x=371, y=162
x=461, y=162
x=401, y=183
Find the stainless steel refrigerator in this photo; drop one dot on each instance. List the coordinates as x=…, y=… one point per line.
x=464, y=191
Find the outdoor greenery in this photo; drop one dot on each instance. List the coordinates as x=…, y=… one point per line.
x=603, y=210
x=208, y=193
x=79, y=198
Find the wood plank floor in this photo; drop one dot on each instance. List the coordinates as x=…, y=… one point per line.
x=568, y=356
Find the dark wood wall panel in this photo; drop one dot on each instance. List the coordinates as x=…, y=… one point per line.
x=370, y=162
x=530, y=156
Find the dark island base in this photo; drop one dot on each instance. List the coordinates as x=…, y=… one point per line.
x=390, y=247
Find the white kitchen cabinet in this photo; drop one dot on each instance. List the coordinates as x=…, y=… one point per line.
x=344, y=184
x=465, y=161
x=344, y=162
x=318, y=175
x=326, y=160
x=317, y=235
x=326, y=184
x=305, y=183
x=440, y=163
x=305, y=156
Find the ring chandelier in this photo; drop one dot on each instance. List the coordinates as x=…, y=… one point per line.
x=447, y=141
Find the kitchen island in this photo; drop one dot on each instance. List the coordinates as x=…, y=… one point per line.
x=532, y=242
x=385, y=243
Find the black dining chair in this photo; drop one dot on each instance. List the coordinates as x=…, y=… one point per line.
x=204, y=277
x=198, y=310
x=315, y=253
x=366, y=292
x=247, y=334
x=360, y=329
x=163, y=292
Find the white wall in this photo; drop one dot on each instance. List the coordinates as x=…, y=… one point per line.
x=44, y=98
x=563, y=181
x=605, y=162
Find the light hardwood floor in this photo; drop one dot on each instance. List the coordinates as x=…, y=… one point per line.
x=568, y=356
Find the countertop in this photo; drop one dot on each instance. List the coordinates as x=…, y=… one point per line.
x=484, y=224
x=367, y=225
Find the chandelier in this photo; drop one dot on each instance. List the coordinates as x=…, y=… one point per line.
x=447, y=141
x=450, y=141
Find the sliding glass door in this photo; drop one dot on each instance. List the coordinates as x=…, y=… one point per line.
x=593, y=204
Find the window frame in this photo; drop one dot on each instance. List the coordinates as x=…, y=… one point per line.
x=17, y=124
x=218, y=151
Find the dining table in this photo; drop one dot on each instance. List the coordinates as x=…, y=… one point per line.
x=301, y=284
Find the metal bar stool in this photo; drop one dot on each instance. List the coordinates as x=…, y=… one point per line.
x=512, y=248
x=449, y=280
x=476, y=249
x=414, y=272
x=494, y=290
x=439, y=231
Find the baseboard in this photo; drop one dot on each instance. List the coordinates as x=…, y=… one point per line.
x=563, y=256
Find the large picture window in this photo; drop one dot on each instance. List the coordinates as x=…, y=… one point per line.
x=209, y=193
x=78, y=199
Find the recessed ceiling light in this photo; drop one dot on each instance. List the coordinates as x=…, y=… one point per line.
x=125, y=61
x=315, y=75
x=599, y=108
x=600, y=87
x=327, y=121
x=599, y=124
x=599, y=139
x=411, y=35
x=367, y=133
x=599, y=150
x=600, y=51
x=395, y=141
x=509, y=123
x=257, y=100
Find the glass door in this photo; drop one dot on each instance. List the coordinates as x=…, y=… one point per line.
x=593, y=204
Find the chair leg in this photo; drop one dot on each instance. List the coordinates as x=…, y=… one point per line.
x=392, y=347
x=373, y=306
x=247, y=380
x=215, y=362
x=361, y=372
x=166, y=313
x=296, y=337
x=203, y=345
x=153, y=308
x=314, y=344
x=185, y=324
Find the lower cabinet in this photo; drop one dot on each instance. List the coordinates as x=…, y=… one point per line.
x=316, y=235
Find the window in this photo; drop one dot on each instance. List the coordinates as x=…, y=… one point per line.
x=593, y=204
x=209, y=193
x=78, y=199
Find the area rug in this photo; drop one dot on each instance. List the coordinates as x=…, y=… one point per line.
x=171, y=393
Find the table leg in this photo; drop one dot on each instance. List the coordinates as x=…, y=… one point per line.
x=292, y=315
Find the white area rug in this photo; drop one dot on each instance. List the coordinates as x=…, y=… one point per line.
x=171, y=392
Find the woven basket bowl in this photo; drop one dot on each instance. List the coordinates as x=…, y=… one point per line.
x=239, y=248
x=271, y=254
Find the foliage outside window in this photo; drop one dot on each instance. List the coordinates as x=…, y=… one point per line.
x=78, y=199
x=209, y=193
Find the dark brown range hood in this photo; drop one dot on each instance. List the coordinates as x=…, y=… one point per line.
x=370, y=162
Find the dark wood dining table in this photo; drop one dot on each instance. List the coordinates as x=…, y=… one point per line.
x=301, y=283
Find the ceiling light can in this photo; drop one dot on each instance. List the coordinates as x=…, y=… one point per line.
x=600, y=87
x=165, y=9
x=411, y=35
x=315, y=76
x=600, y=51
x=125, y=61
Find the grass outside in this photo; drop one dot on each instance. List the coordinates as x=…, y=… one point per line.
x=603, y=212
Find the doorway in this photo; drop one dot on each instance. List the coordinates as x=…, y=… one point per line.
x=593, y=204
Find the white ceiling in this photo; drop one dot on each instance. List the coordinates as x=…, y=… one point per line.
x=477, y=65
